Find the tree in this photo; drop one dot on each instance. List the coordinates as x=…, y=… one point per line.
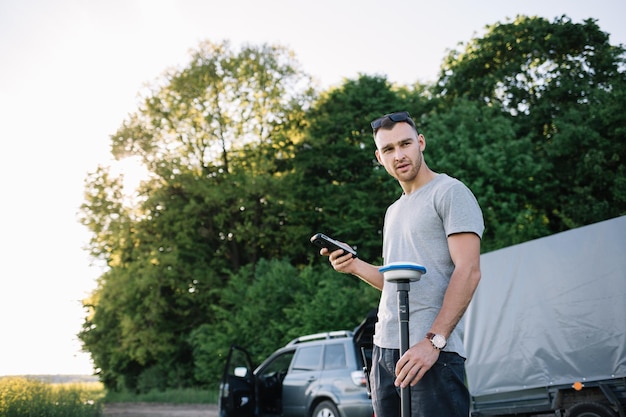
x=549, y=77
x=341, y=189
x=209, y=135
x=480, y=146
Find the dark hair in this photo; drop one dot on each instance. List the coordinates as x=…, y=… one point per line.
x=388, y=121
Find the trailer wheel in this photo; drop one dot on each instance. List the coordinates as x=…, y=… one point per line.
x=590, y=410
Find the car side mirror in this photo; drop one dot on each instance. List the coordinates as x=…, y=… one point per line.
x=241, y=371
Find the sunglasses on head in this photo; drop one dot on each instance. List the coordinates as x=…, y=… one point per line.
x=401, y=116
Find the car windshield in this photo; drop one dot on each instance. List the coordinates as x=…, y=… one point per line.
x=278, y=365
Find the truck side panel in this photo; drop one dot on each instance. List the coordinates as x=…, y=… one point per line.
x=549, y=312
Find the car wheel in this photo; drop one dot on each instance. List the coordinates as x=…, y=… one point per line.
x=326, y=409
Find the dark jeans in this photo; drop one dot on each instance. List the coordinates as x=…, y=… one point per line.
x=440, y=393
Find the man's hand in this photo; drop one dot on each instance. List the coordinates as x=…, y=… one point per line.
x=415, y=363
x=339, y=261
x=348, y=265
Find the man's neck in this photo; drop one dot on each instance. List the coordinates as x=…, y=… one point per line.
x=424, y=176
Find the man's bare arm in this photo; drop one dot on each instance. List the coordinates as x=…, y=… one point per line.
x=355, y=266
x=465, y=252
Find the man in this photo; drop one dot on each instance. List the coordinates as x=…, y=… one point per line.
x=437, y=223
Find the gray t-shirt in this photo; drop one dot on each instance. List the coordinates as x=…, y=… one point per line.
x=416, y=229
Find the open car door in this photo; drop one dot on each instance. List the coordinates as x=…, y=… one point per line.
x=236, y=397
x=364, y=341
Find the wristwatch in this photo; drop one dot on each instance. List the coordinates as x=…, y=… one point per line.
x=438, y=340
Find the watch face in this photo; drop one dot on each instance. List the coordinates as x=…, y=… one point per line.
x=439, y=341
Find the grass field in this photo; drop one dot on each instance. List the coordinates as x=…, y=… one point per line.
x=79, y=396
x=29, y=396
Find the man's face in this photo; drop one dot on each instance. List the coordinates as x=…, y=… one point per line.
x=399, y=150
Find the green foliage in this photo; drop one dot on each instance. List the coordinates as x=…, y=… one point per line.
x=563, y=86
x=209, y=135
x=339, y=187
x=21, y=397
x=169, y=396
x=480, y=146
x=588, y=150
x=532, y=65
x=329, y=301
x=265, y=305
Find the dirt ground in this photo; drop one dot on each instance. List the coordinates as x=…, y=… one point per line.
x=159, y=410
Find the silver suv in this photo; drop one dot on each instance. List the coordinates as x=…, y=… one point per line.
x=319, y=375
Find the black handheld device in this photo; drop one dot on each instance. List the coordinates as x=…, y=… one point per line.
x=322, y=241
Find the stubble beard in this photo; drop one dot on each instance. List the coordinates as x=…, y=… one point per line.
x=411, y=175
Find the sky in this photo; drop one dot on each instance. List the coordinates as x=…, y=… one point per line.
x=71, y=72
